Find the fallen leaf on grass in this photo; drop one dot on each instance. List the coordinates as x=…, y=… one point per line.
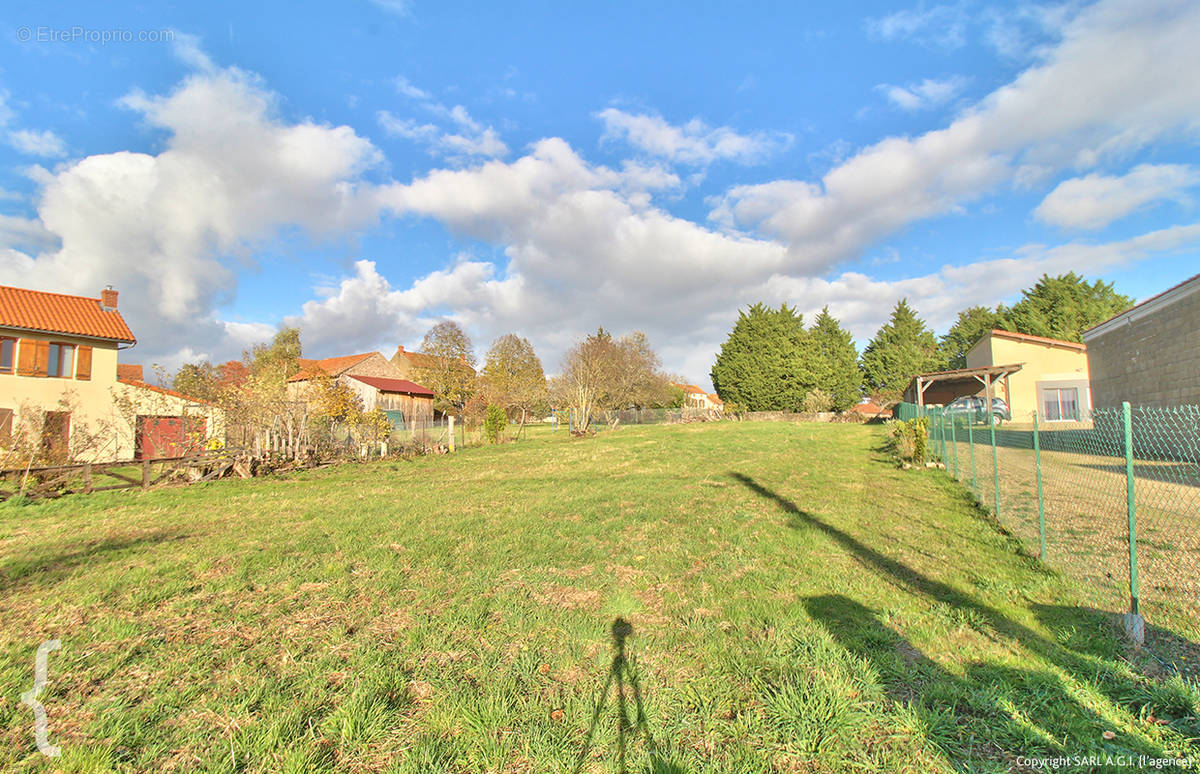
x=420, y=690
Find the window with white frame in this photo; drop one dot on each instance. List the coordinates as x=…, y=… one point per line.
x=1060, y=403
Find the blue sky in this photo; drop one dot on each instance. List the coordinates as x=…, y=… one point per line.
x=366, y=169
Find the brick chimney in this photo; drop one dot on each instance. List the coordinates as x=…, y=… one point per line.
x=108, y=299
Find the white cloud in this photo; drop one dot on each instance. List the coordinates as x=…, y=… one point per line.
x=1020, y=32
x=941, y=26
x=29, y=141
x=927, y=94
x=405, y=87
x=1080, y=106
x=692, y=143
x=466, y=138
x=170, y=230
x=44, y=143
x=26, y=233
x=1095, y=200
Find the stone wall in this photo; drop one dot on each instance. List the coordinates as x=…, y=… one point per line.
x=1153, y=360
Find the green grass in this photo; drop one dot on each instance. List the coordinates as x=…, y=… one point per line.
x=798, y=604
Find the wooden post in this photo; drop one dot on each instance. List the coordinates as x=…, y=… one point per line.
x=87, y=477
x=451, y=420
x=145, y=474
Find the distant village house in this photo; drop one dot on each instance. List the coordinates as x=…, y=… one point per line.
x=378, y=384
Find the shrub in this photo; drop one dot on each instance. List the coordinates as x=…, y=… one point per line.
x=817, y=401
x=909, y=440
x=494, y=423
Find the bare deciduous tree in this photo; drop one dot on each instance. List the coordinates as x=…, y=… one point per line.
x=602, y=374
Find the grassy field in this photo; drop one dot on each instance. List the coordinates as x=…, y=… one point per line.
x=796, y=604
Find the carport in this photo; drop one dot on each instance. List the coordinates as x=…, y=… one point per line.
x=941, y=387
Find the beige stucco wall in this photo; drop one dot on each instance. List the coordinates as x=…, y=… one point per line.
x=101, y=425
x=1040, y=363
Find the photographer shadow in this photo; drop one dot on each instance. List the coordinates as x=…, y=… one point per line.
x=623, y=674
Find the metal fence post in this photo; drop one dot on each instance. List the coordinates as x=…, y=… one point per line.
x=954, y=443
x=1037, y=456
x=1134, y=623
x=941, y=418
x=995, y=467
x=971, y=446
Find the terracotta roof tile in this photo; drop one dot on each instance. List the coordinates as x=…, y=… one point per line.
x=129, y=371
x=143, y=386
x=334, y=366
x=1014, y=336
x=35, y=310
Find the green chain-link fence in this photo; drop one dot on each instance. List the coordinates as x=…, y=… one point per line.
x=1113, y=502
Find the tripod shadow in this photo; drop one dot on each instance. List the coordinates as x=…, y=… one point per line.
x=629, y=729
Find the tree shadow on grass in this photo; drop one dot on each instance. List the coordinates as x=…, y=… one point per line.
x=52, y=566
x=628, y=689
x=1173, y=653
x=1101, y=672
x=994, y=712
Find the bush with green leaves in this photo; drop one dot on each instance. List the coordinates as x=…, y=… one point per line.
x=494, y=422
x=909, y=440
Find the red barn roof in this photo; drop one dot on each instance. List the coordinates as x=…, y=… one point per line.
x=385, y=384
x=35, y=310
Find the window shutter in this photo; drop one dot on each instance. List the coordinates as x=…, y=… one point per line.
x=27, y=359
x=83, y=363
x=41, y=360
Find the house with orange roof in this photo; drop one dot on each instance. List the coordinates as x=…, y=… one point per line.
x=1053, y=379
x=63, y=395
x=378, y=384
x=409, y=362
x=695, y=397
x=1029, y=373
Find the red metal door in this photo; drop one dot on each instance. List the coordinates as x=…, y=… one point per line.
x=169, y=436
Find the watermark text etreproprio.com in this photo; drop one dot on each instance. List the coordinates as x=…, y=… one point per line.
x=94, y=35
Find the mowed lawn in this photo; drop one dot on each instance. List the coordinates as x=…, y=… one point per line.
x=797, y=604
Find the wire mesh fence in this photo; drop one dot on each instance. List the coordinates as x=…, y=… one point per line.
x=1111, y=500
x=568, y=418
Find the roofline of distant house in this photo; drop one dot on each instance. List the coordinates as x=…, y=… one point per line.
x=68, y=333
x=145, y=386
x=1030, y=338
x=1149, y=306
